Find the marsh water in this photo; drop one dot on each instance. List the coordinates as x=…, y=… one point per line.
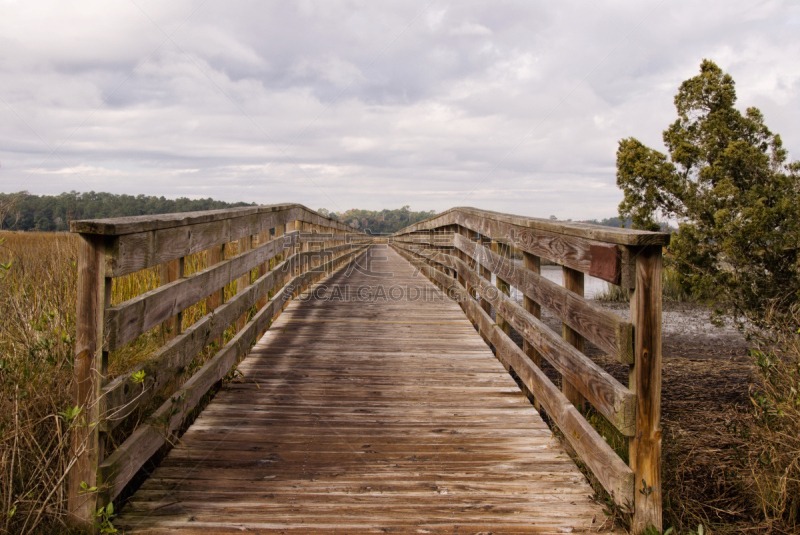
x=591, y=285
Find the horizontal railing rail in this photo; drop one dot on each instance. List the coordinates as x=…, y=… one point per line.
x=280, y=250
x=462, y=248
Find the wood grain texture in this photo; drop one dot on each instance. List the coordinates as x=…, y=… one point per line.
x=136, y=316
x=609, y=397
x=121, y=396
x=130, y=225
x=579, y=253
x=645, y=447
x=92, y=293
x=501, y=250
x=262, y=238
x=245, y=244
x=605, y=329
x=169, y=272
x=119, y=468
x=567, y=228
x=616, y=477
x=214, y=256
x=531, y=263
x=573, y=282
x=136, y=251
x=380, y=428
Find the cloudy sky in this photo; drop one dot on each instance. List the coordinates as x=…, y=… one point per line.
x=515, y=106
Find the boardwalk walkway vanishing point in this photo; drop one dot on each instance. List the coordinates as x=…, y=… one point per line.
x=364, y=384
x=385, y=413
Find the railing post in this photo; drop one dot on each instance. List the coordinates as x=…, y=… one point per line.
x=463, y=256
x=245, y=244
x=170, y=272
x=264, y=237
x=280, y=281
x=214, y=256
x=573, y=281
x=645, y=381
x=533, y=263
x=486, y=274
x=501, y=249
x=93, y=295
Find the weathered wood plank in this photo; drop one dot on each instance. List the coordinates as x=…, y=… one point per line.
x=245, y=244
x=603, y=328
x=645, y=447
x=131, y=225
x=573, y=282
x=136, y=316
x=263, y=238
x=94, y=290
x=615, y=476
x=570, y=251
x=501, y=250
x=133, y=252
x=610, y=398
x=119, y=468
x=581, y=230
x=329, y=435
x=169, y=272
x=121, y=396
x=531, y=263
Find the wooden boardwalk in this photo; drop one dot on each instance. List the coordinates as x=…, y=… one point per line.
x=373, y=406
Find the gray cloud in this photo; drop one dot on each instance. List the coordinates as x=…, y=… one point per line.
x=511, y=106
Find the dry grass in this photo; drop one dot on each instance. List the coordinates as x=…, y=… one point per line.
x=671, y=290
x=37, y=343
x=731, y=426
x=37, y=337
x=774, y=458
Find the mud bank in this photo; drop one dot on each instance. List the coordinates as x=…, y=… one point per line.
x=706, y=376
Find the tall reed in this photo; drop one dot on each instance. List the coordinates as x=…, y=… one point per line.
x=37, y=346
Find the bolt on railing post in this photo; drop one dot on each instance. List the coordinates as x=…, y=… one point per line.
x=645, y=381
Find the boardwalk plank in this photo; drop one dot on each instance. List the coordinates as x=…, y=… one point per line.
x=385, y=416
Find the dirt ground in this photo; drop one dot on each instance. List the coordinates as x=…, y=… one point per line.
x=704, y=403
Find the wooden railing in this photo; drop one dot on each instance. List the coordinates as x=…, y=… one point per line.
x=460, y=249
x=289, y=245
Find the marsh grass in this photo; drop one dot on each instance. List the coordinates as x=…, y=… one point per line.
x=671, y=290
x=37, y=340
x=37, y=345
x=774, y=459
x=742, y=472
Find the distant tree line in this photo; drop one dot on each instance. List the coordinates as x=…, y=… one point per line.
x=379, y=222
x=610, y=222
x=23, y=211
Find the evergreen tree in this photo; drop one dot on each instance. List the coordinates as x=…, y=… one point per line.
x=727, y=183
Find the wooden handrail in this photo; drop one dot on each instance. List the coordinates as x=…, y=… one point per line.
x=488, y=219
x=111, y=248
x=291, y=247
x=452, y=250
x=603, y=252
